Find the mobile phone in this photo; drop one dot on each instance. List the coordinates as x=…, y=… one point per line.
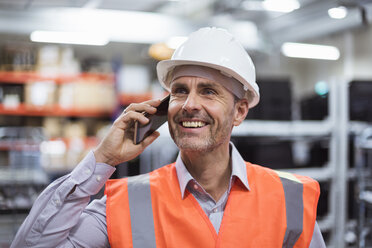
x=156, y=120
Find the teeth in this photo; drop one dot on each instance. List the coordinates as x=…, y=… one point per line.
x=193, y=124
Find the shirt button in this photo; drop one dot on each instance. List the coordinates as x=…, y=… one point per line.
x=196, y=186
x=87, y=171
x=57, y=202
x=215, y=210
x=98, y=178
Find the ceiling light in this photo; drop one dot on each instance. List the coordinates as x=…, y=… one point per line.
x=285, y=6
x=99, y=24
x=338, y=13
x=310, y=51
x=176, y=41
x=79, y=38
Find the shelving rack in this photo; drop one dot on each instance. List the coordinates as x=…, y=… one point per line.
x=20, y=180
x=30, y=76
x=363, y=196
x=25, y=77
x=54, y=110
x=21, y=177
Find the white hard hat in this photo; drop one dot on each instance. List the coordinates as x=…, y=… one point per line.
x=217, y=49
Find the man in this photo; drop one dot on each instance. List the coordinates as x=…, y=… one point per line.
x=209, y=197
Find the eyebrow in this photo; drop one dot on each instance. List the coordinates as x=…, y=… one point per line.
x=206, y=84
x=209, y=84
x=176, y=85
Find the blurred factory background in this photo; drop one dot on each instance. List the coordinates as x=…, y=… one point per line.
x=69, y=67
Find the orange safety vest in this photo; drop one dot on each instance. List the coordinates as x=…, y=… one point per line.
x=145, y=211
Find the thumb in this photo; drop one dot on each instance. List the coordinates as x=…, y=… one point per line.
x=151, y=138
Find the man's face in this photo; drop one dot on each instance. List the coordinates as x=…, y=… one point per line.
x=201, y=113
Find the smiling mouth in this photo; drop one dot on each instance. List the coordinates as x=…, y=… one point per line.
x=193, y=124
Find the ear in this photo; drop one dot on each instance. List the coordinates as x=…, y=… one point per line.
x=241, y=111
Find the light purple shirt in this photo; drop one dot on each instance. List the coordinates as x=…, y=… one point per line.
x=61, y=219
x=214, y=210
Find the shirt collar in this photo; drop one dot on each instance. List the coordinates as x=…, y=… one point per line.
x=238, y=169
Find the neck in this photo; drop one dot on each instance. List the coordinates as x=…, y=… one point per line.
x=211, y=169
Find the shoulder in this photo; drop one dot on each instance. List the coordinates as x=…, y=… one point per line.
x=159, y=174
x=164, y=171
x=262, y=172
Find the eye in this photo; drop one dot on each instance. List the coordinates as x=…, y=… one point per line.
x=179, y=90
x=209, y=91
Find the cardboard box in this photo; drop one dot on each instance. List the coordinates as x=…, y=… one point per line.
x=40, y=93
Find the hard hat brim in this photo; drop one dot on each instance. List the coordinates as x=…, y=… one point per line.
x=164, y=67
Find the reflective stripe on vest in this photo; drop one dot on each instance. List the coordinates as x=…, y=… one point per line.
x=294, y=210
x=142, y=220
x=293, y=192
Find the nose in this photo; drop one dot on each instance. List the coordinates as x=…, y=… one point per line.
x=192, y=103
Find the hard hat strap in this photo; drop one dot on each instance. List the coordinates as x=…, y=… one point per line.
x=230, y=83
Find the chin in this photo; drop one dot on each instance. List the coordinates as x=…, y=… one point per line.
x=192, y=147
x=192, y=143
x=195, y=145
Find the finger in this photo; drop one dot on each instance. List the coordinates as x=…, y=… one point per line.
x=135, y=116
x=129, y=118
x=153, y=102
x=149, y=139
x=140, y=107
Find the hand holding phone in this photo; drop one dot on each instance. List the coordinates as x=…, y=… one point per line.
x=117, y=145
x=156, y=120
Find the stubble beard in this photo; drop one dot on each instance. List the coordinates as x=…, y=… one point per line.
x=210, y=141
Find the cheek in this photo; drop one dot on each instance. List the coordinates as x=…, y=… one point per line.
x=173, y=108
x=217, y=113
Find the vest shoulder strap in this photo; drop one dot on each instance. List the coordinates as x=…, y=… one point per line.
x=301, y=197
x=141, y=215
x=137, y=189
